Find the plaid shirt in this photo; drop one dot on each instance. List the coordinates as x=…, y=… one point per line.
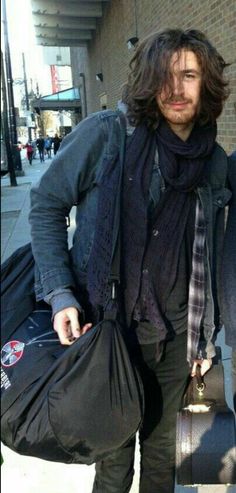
x=196, y=302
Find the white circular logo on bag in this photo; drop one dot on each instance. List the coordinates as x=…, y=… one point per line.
x=11, y=353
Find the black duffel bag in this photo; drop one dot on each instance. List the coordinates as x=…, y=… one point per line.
x=205, y=433
x=71, y=404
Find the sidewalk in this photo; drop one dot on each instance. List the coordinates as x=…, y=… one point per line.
x=27, y=474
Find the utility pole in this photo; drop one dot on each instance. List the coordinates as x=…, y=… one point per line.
x=85, y=111
x=11, y=106
x=5, y=127
x=26, y=94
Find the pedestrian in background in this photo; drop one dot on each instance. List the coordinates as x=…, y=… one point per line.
x=19, y=145
x=56, y=143
x=156, y=163
x=29, y=152
x=48, y=146
x=34, y=145
x=40, y=142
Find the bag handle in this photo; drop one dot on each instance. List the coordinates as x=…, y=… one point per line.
x=207, y=390
x=200, y=385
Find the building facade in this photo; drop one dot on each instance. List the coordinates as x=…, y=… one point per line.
x=107, y=52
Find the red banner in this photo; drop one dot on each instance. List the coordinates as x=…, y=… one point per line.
x=54, y=78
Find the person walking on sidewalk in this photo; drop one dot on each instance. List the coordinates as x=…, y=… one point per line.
x=157, y=162
x=29, y=152
x=48, y=146
x=40, y=142
x=56, y=143
x=34, y=145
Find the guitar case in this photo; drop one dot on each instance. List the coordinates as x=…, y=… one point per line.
x=205, y=433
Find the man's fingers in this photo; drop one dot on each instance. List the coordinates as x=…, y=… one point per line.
x=205, y=366
x=66, y=324
x=79, y=331
x=85, y=328
x=194, y=367
x=65, y=335
x=74, y=324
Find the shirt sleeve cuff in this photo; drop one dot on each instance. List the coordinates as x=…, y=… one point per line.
x=62, y=298
x=206, y=349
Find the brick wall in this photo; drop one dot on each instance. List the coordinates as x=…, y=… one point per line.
x=108, y=52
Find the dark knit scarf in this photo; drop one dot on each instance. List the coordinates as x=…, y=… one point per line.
x=155, y=253
x=181, y=166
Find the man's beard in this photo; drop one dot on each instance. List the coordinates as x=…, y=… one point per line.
x=181, y=117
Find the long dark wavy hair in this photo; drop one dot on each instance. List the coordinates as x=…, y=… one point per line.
x=150, y=72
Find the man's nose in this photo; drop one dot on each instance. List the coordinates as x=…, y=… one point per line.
x=178, y=87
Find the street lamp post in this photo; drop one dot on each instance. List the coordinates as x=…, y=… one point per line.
x=5, y=128
x=82, y=75
x=26, y=95
x=12, y=116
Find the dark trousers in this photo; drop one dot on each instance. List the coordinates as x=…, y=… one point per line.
x=41, y=155
x=30, y=156
x=164, y=384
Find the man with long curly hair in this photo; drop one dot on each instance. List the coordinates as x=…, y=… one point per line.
x=156, y=165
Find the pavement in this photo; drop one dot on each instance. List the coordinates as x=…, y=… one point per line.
x=26, y=474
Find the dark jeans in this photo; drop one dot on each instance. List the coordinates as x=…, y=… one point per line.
x=30, y=156
x=41, y=155
x=164, y=384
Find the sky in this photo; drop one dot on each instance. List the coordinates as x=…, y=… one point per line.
x=22, y=40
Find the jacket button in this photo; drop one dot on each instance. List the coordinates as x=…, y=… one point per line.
x=145, y=271
x=155, y=232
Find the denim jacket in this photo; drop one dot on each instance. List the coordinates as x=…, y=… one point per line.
x=73, y=180
x=228, y=278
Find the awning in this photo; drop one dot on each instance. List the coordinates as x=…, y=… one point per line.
x=69, y=99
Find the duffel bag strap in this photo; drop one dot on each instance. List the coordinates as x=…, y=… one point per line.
x=110, y=312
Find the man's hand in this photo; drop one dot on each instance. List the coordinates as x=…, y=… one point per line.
x=205, y=366
x=66, y=324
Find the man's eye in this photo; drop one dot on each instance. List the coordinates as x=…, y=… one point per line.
x=189, y=76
